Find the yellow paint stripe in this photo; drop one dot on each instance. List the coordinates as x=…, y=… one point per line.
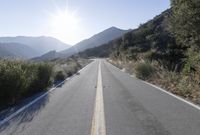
x=98, y=121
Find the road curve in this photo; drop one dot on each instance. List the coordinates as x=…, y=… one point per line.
x=130, y=106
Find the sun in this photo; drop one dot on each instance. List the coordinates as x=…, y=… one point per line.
x=65, y=23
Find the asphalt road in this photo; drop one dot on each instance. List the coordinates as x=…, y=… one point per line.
x=123, y=105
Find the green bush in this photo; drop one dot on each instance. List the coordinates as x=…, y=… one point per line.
x=41, y=77
x=11, y=82
x=69, y=73
x=144, y=70
x=59, y=76
x=19, y=79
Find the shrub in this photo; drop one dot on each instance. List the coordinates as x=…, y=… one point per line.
x=11, y=82
x=41, y=77
x=69, y=73
x=144, y=70
x=59, y=76
x=19, y=79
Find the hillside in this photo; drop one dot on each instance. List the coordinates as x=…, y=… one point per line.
x=40, y=44
x=16, y=50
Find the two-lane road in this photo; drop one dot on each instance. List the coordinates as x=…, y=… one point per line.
x=103, y=100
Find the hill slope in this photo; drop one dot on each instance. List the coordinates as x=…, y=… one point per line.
x=47, y=56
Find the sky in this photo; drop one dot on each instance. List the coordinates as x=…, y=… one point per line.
x=74, y=20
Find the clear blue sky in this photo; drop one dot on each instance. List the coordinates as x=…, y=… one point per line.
x=34, y=17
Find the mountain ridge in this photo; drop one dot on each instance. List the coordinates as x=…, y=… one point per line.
x=16, y=50
x=41, y=44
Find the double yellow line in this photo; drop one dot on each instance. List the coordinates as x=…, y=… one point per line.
x=98, y=121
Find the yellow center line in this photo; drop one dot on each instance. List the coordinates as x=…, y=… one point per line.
x=98, y=121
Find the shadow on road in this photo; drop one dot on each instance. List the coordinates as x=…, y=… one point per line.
x=25, y=116
x=19, y=122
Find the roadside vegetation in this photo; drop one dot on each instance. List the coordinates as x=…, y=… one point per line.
x=21, y=79
x=164, y=51
x=144, y=70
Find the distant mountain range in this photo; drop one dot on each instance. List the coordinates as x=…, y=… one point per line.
x=46, y=48
x=28, y=47
x=16, y=50
x=95, y=41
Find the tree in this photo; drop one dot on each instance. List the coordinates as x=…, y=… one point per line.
x=185, y=26
x=185, y=22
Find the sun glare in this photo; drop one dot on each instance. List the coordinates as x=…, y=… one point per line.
x=65, y=23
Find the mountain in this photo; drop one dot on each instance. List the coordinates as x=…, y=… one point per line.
x=16, y=50
x=40, y=44
x=95, y=41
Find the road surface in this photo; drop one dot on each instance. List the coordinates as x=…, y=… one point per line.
x=103, y=100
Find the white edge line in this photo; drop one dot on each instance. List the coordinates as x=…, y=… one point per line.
x=35, y=100
x=165, y=91
x=173, y=95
